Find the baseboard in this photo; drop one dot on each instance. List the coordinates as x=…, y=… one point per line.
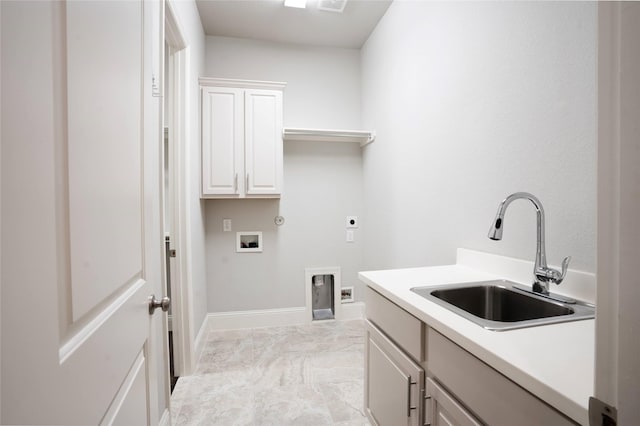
x=258, y=318
x=200, y=340
x=351, y=311
x=273, y=317
x=165, y=420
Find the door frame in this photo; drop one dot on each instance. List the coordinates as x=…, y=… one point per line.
x=616, y=371
x=182, y=303
x=0, y=217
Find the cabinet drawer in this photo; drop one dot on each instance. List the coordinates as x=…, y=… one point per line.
x=402, y=327
x=491, y=396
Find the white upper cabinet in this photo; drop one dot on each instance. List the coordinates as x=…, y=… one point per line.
x=242, y=151
x=263, y=142
x=222, y=140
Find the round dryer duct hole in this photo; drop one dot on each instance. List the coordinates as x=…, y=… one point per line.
x=278, y=220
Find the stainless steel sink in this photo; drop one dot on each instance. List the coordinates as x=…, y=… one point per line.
x=502, y=305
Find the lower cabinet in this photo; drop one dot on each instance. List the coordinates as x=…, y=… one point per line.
x=394, y=383
x=460, y=390
x=443, y=410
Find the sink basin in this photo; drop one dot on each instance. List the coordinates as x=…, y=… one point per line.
x=501, y=305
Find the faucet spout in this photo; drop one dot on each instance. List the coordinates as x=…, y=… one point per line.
x=541, y=272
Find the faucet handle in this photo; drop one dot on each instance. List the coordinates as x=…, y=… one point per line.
x=545, y=275
x=565, y=266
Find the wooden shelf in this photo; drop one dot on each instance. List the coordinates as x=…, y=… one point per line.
x=363, y=137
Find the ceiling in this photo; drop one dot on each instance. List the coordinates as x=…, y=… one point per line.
x=270, y=20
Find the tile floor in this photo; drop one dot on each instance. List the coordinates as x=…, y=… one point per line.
x=276, y=376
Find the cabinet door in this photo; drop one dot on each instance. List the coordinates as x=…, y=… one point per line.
x=444, y=410
x=222, y=141
x=393, y=383
x=263, y=142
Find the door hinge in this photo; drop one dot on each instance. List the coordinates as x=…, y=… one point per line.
x=172, y=253
x=601, y=413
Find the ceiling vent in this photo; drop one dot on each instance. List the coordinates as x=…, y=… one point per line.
x=332, y=5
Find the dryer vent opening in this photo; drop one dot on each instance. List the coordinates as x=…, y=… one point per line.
x=322, y=297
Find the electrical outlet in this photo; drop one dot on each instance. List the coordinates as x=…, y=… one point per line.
x=352, y=221
x=226, y=225
x=350, y=236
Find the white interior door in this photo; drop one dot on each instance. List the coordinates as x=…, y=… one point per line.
x=81, y=216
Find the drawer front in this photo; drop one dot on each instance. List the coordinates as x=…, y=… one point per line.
x=402, y=327
x=491, y=396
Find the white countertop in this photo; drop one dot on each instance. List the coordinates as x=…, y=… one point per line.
x=554, y=362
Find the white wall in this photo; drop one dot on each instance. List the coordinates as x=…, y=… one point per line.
x=471, y=102
x=323, y=84
x=322, y=181
x=189, y=20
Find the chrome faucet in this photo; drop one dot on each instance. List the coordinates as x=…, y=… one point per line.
x=542, y=274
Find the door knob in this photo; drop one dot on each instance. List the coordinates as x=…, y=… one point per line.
x=155, y=303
